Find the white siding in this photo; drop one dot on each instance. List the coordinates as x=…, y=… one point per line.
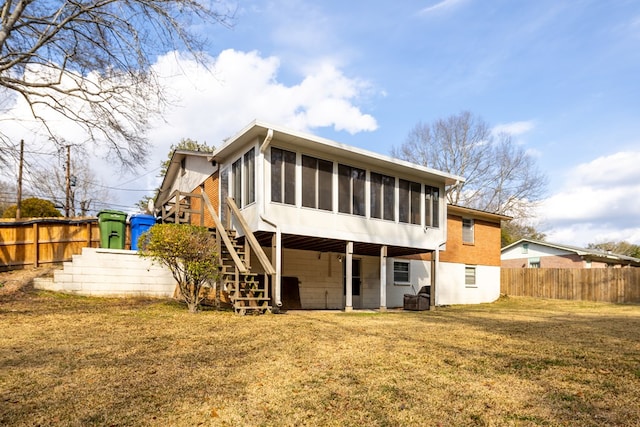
x=197, y=170
x=419, y=276
x=534, y=250
x=452, y=289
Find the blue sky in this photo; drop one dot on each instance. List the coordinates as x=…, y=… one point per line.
x=562, y=76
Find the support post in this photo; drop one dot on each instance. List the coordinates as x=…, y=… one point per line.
x=349, y=277
x=434, y=273
x=383, y=278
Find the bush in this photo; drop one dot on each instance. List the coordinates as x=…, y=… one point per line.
x=33, y=208
x=188, y=251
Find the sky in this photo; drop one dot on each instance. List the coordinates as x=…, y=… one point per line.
x=563, y=77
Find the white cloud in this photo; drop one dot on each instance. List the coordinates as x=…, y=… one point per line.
x=600, y=200
x=514, y=128
x=441, y=6
x=212, y=102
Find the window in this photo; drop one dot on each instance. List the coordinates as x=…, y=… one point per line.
x=525, y=248
x=383, y=196
x=409, y=202
x=467, y=230
x=401, y=272
x=249, y=177
x=183, y=166
x=469, y=276
x=534, y=262
x=431, y=206
x=236, y=173
x=317, y=183
x=351, y=183
x=283, y=176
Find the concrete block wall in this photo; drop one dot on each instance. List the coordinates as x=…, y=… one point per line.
x=111, y=272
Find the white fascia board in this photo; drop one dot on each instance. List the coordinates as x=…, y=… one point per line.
x=328, y=146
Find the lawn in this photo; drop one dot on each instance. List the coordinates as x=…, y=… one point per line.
x=67, y=360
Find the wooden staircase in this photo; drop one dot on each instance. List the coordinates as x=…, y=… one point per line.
x=247, y=291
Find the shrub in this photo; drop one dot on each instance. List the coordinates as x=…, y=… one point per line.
x=188, y=251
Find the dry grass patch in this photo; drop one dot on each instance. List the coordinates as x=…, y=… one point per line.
x=85, y=361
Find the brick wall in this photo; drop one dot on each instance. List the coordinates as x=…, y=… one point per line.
x=484, y=251
x=211, y=188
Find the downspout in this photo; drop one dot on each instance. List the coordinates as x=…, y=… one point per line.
x=277, y=255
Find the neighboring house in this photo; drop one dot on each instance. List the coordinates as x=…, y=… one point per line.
x=527, y=253
x=333, y=224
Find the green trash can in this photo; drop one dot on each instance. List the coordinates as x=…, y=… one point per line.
x=113, y=229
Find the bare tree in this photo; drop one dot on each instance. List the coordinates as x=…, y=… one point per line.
x=86, y=191
x=500, y=176
x=90, y=61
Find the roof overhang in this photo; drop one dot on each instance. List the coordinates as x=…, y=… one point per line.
x=174, y=168
x=476, y=213
x=258, y=129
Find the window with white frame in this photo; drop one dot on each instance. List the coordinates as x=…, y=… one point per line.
x=243, y=179
x=283, y=176
x=534, y=262
x=401, y=272
x=236, y=182
x=431, y=206
x=249, y=177
x=470, y=276
x=383, y=196
x=317, y=181
x=525, y=248
x=351, y=190
x=409, y=201
x=467, y=230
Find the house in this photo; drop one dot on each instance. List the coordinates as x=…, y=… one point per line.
x=528, y=253
x=306, y=222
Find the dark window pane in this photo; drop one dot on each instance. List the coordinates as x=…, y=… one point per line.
x=309, y=165
x=236, y=171
x=415, y=203
x=389, y=197
x=359, y=178
x=376, y=195
x=325, y=185
x=344, y=189
x=435, y=195
x=276, y=174
x=250, y=177
x=290, y=177
x=404, y=201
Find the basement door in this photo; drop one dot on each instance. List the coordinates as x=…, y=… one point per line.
x=356, y=281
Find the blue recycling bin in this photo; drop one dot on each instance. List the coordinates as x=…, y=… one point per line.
x=139, y=224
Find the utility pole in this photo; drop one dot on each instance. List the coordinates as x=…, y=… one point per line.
x=19, y=201
x=68, y=183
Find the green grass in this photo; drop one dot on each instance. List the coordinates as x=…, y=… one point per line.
x=519, y=362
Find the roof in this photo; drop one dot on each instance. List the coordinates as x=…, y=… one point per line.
x=174, y=167
x=595, y=254
x=257, y=129
x=477, y=213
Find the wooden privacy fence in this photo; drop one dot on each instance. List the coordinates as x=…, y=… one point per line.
x=616, y=285
x=45, y=240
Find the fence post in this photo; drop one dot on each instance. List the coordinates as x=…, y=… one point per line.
x=36, y=245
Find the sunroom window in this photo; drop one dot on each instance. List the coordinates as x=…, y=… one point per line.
x=283, y=176
x=317, y=182
x=383, y=196
x=409, y=202
x=351, y=190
